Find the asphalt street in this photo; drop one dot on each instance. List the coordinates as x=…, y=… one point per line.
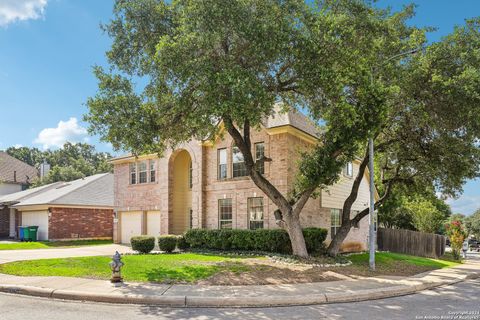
x=460, y=301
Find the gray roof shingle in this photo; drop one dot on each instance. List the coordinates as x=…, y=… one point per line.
x=96, y=190
x=13, y=170
x=289, y=116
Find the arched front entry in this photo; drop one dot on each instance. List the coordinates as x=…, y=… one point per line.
x=180, y=212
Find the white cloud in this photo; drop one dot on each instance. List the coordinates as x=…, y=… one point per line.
x=18, y=145
x=20, y=10
x=65, y=131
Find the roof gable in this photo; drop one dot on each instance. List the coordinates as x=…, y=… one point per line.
x=13, y=170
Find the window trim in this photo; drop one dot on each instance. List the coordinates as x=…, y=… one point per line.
x=249, y=206
x=220, y=206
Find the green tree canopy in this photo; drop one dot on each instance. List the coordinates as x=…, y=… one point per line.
x=72, y=161
x=344, y=63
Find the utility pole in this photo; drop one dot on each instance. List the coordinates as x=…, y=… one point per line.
x=372, y=233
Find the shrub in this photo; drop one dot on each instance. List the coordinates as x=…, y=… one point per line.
x=182, y=244
x=314, y=239
x=269, y=240
x=143, y=244
x=167, y=243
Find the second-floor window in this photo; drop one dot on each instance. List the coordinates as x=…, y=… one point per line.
x=238, y=163
x=222, y=164
x=133, y=173
x=349, y=169
x=152, y=168
x=142, y=172
x=259, y=154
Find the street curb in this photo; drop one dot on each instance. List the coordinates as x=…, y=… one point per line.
x=233, y=301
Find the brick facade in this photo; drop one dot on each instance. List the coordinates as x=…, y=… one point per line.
x=81, y=223
x=284, y=150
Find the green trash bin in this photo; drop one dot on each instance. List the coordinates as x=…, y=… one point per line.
x=26, y=234
x=32, y=231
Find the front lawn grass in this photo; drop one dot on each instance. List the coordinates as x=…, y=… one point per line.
x=51, y=244
x=390, y=260
x=164, y=268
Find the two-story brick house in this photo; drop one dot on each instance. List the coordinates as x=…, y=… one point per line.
x=204, y=185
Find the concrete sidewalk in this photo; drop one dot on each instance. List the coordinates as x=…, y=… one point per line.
x=236, y=296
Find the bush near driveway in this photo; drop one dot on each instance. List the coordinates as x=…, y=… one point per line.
x=167, y=243
x=143, y=244
x=268, y=240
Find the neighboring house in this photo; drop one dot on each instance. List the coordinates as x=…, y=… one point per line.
x=79, y=209
x=204, y=185
x=15, y=175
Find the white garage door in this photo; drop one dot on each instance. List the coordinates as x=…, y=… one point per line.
x=153, y=223
x=37, y=218
x=131, y=225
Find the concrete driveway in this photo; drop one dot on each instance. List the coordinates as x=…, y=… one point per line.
x=85, y=251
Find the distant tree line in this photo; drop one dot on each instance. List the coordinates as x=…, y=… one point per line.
x=73, y=161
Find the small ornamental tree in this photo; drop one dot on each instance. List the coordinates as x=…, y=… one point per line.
x=456, y=233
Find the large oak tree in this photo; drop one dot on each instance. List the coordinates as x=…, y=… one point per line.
x=180, y=68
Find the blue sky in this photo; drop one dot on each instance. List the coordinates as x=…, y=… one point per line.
x=48, y=48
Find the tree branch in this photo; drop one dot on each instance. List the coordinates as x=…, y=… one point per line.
x=347, y=205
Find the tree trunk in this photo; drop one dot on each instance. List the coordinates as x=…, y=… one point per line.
x=291, y=214
x=294, y=229
x=336, y=243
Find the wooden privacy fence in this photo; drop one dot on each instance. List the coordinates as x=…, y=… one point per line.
x=411, y=242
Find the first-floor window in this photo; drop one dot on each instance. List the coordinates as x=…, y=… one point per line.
x=334, y=221
x=142, y=172
x=133, y=173
x=225, y=213
x=255, y=213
